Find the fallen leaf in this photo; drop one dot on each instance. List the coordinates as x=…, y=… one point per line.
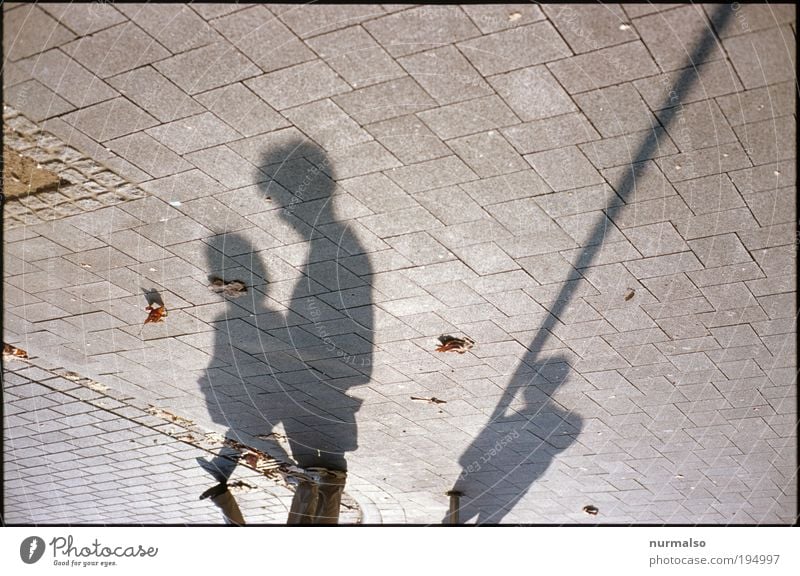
x=156, y=314
x=629, y=294
x=452, y=344
x=232, y=289
x=591, y=510
x=432, y=400
x=14, y=352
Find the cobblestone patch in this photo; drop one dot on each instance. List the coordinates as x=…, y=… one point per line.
x=86, y=185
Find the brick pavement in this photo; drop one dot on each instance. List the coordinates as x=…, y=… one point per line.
x=601, y=197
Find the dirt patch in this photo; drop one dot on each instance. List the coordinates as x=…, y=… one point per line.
x=23, y=176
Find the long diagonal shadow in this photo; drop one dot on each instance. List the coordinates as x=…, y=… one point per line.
x=519, y=442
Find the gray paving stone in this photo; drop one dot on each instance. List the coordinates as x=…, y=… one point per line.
x=176, y=27
x=551, y=133
x=110, y=119
x=154, y=93
x=356, y=57
x=771, y=208
x=616, y=110
x=421, y=28
x=491, y=18
x=564, y=168
x=207, y=67
x=450, y=205
x=591, y=27
x=666, y=264
x=298, y=85
x=116, y=50
x=149, y=155
x=716, y=223
x=532, y=93
x=327, y=124
x=488, y=154
x=469, y=117
x=69, y=79
x=720, y=250
x=408, y=139
x=515, y=48
x=400, y=222
x=386, y=100
x=263, y=38
x=627, y=149
x=604, y=67
x=521, y=184
x=486, y=259
x=362, y=159
x=36, y=101
x=724, y=274
x=420, y=248
x=431, y=174
x=446, y=75
x=656, y=239
x=84, y=18
x=707, y=80
x=193, y=133
x=699, y=125
x=748, y=106
x=705, y=162
x=715, y=193
x=768, y=141
x=308, y=21
x=672, y=35
x=30, y=30
x=762, y=58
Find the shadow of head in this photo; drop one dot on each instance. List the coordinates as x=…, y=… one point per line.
x=231, y=256
x=525, y=434
x=298, y=173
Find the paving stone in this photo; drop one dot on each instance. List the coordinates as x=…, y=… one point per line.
x=765, y=178
x=591, y=27
x=666, y=264
x=521, y=184
x=327, y=124
x=705, y=162
x=149, y=155
x=768, y=141
x=629, y=148
x=420, y=248
x=486, y=259
x=724, y=274
x=356, y=57
x=564, y=168
x=720, y=250
x=604, y=67
x=638, y=182
x=431, y=174
x=446, y=75
x=30, y=30
x=263, y=38
x=408, y=139
x=110, y=119
x=749, y=106
x=207, y=67
x=450, y=205
x=699, y=125
x=83, y=18
x=36, y=101
x=468, y=117
x=616, y=110
x=491, y=18
x=308, y=21
x=762, y=58
x=488, y=154
x=551, y=133
x=176, y=27
x=421, y=28
x=735, y=220
x=672, y=36
x=298, y=85
x=155, y=94
x=69, y=79
x=532, y=93
x=656, y=239
x=400, y=222
x=771, y=208
x=116, y=50
x=362, y=159
x=706, y=80
x=194, y=133
x=714, y=193
x=515, y=48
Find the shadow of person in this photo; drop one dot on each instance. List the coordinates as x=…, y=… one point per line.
x=287, y=351
x=518, y=443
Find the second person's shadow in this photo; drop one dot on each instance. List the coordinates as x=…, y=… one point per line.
x=287, y=352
